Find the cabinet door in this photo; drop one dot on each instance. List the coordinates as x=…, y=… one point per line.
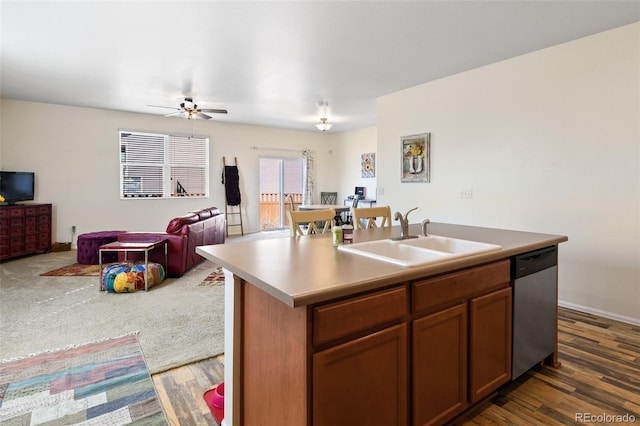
x=440, y=366
x=490, y=340
x=362, y=382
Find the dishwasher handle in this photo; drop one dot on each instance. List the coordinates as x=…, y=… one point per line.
x=534, y=261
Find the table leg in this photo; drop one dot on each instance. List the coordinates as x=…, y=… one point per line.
x=100, y=274
x=146, y=268
x=166, y=258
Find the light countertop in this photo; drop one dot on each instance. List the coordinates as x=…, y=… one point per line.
x=309, y=269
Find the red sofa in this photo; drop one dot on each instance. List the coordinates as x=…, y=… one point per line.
x=199, y=228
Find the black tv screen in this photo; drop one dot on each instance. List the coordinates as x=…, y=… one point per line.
x=17, y=186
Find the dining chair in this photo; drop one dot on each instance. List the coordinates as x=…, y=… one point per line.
x=288, y=199
x=316, y=221
x=328, y=198
x=365, y=217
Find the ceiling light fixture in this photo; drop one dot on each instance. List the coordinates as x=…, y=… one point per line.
x=323, y=125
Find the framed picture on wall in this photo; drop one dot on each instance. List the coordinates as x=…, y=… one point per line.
x=368, y=166
x=416, y=158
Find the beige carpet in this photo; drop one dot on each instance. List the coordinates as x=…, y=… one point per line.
x=179, y=321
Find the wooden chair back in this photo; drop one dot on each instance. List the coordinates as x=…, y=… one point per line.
x=365, y=217
x=316, y=221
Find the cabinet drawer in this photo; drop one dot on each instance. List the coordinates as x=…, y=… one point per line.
x=30, y=211
x=16, y=231
x=30, y=229
x=16, y=211
x=11, y=211
x=31, y=220
x=44, y=219
x=358, y=314
x=458, y=286
x=15, y=221
x=46, y=209
x=16, y=245
x=14, y=241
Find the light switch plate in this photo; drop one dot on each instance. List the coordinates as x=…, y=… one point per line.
x=466, y=193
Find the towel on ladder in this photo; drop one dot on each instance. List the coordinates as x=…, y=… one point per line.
x=231, y=180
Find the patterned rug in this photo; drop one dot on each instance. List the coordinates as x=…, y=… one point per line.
x=214, y=278
x=99, y=383
x=77, y=270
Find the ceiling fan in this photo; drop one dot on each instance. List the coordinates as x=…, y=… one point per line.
x=190, y=110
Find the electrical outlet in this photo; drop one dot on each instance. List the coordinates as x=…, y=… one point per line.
x=466, y=193
x=73, y=229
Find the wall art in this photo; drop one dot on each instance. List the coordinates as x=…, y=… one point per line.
x=368, y=165
x=416, y=157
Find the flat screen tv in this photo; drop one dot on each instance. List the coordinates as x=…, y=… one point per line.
x=17, y=186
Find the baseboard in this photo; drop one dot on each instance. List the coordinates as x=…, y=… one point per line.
x=599, y=312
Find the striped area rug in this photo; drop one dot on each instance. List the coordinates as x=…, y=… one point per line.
x=103, y=383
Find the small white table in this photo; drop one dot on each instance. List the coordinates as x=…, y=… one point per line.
x=140, y=247
x=363, y=202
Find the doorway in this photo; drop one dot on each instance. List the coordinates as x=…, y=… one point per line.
x=280, y=188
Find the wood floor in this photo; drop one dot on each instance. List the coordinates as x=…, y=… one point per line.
x=599, y=376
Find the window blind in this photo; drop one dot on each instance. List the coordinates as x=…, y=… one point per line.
x=163, y=166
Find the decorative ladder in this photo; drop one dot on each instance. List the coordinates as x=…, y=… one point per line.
x=232, y=189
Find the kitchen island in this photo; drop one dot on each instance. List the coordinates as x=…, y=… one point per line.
x=317, y=336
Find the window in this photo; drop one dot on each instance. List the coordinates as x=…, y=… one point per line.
x=163, y=166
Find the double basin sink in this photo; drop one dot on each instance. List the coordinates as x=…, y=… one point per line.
x=418, y=251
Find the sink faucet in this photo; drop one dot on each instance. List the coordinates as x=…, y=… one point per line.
x=404, y=223
x=424, y=227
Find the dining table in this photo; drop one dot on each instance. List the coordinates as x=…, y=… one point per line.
x=340, y=209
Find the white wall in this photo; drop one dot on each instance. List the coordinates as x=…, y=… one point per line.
x=349, y=149
x=549, y=142
x=75, y=154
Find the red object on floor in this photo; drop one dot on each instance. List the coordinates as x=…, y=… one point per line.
x=215, y=401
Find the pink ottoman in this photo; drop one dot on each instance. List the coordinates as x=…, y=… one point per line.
x=89, y=245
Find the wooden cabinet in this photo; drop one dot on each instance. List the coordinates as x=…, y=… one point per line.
x=461, y=340
x=331, y=364
x=416, y=353
x=439, y=364
x=490, y=342
x=363, y=382
x=24, y=229
x=360, y=361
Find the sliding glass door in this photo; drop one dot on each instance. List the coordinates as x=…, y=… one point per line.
x=280, y=189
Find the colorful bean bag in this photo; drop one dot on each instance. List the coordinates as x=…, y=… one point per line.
x=128, y=277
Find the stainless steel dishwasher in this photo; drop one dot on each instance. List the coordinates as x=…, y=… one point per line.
x=535, y=285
